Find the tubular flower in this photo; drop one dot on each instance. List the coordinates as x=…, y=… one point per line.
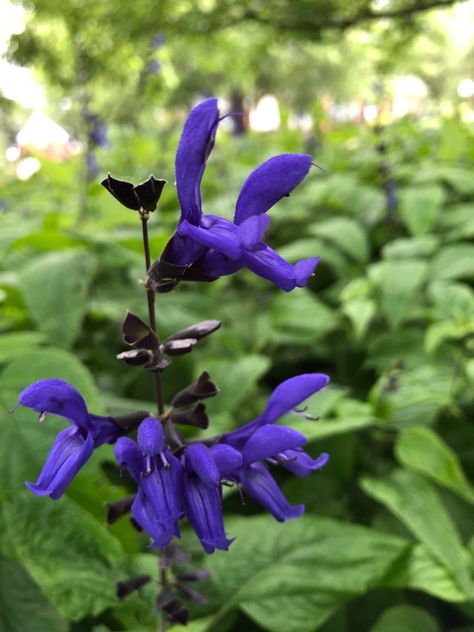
x=73, y=446
x=206, y=247
x=204, y=469
x=190, y=483
x=158, y=504
x=260, y=441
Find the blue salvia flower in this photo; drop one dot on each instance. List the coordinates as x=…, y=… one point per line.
x=72, y=447
x=158, y=504
x=157, y=41
x=93, y=167
x=211, y=246
x=191, y=485
x=205, y=469
x=261, y=441
x=153, y=66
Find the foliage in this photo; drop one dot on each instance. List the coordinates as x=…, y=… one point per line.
x=387, y=542
x=388, y=316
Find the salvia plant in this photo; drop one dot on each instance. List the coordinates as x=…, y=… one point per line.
x=177, y=479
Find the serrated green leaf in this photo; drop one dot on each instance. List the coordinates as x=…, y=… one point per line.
x=406, y=618
x=421, y=449
x=23, y=608
x=72, y=558
x=55, y=288
x=417, y=504
x=285, y=576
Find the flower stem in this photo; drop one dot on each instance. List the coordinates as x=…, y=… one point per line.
x=163, y=582
x=151, y=313
x=150, y=295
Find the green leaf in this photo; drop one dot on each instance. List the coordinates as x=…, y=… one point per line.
x=453, y=262
x=72, y=558
x=458, y=223
x=15, y=343
x=311, y=247
x=438, y=333
x=409, y=248
x=197, y=625
x=458, y=177
x=25, y=443
x=399, y=283
x=292, y=576
x=417, y=504
x=453, y=301
x=55, y=289
x=411, y=397
x=23, y=608
x=406, y=618
x=346, y=234
x=419, y=207
x=300, y=318
x=421, y=449
x=418, y=569
x=360, y=312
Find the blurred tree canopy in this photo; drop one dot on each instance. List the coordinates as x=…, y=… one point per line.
x=108, y=53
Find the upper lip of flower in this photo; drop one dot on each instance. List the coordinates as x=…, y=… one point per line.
x=284, y=398
x=218, y=246
x=72, y=446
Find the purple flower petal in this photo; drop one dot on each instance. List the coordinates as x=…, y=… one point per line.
x=260, y=484
x=290, y=393
x=129, y=456
x=57, y=397
x=182, y=251
x=151, y=437
x=269, y=440
x=203, y=506
x=143, y=511
x=70, y=450
x=104, y=430
x=193, y=151
x=286, y=396
x=268, y=264
x=251, y=231
x=274, y=179
x=226, y=458
x=199, y=460
x=164, y=490
x=215, y=264
x=304, y=269
x=224, y=241
x=301, y=464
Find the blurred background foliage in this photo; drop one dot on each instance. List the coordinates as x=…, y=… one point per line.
x=381, y=94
